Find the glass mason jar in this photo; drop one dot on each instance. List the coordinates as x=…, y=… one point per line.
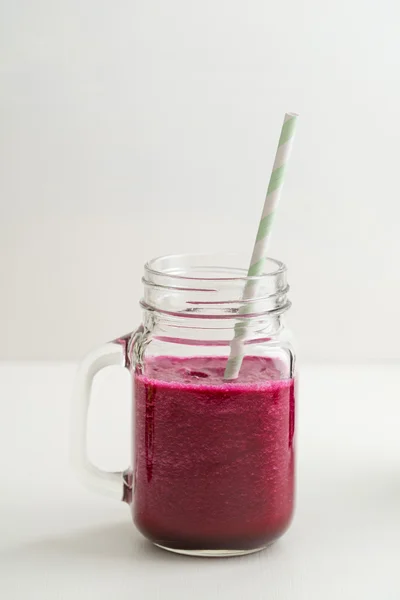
x=213, y=459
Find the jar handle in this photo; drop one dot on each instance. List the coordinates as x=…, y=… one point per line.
x=106, y=482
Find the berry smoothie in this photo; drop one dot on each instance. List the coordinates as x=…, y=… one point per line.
x=214, y=460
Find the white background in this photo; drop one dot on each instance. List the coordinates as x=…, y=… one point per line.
x=135, y=128
x=130, y=129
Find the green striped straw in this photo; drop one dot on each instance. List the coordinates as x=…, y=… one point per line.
x=259, y=256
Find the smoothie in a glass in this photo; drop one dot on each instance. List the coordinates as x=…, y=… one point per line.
x=214, y=459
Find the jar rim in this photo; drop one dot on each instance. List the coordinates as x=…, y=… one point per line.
x=213, y=285
x=211, y=262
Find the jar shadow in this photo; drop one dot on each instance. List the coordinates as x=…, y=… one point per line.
x=110, y=541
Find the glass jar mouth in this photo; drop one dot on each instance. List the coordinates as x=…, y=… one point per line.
x=214, y=286
x=195, y=267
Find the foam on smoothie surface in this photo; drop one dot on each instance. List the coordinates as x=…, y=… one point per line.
x=209, y=371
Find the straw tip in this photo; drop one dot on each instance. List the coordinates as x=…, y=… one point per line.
x=291, y=115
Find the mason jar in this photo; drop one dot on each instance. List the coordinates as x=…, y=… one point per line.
x=213, y=456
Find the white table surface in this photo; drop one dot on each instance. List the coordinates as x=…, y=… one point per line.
x=59, y=541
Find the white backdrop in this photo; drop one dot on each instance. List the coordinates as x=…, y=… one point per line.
x=135, y=128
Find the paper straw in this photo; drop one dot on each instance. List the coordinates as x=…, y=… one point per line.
x=259, y=256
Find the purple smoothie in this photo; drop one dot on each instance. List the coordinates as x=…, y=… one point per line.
x=214, y=460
